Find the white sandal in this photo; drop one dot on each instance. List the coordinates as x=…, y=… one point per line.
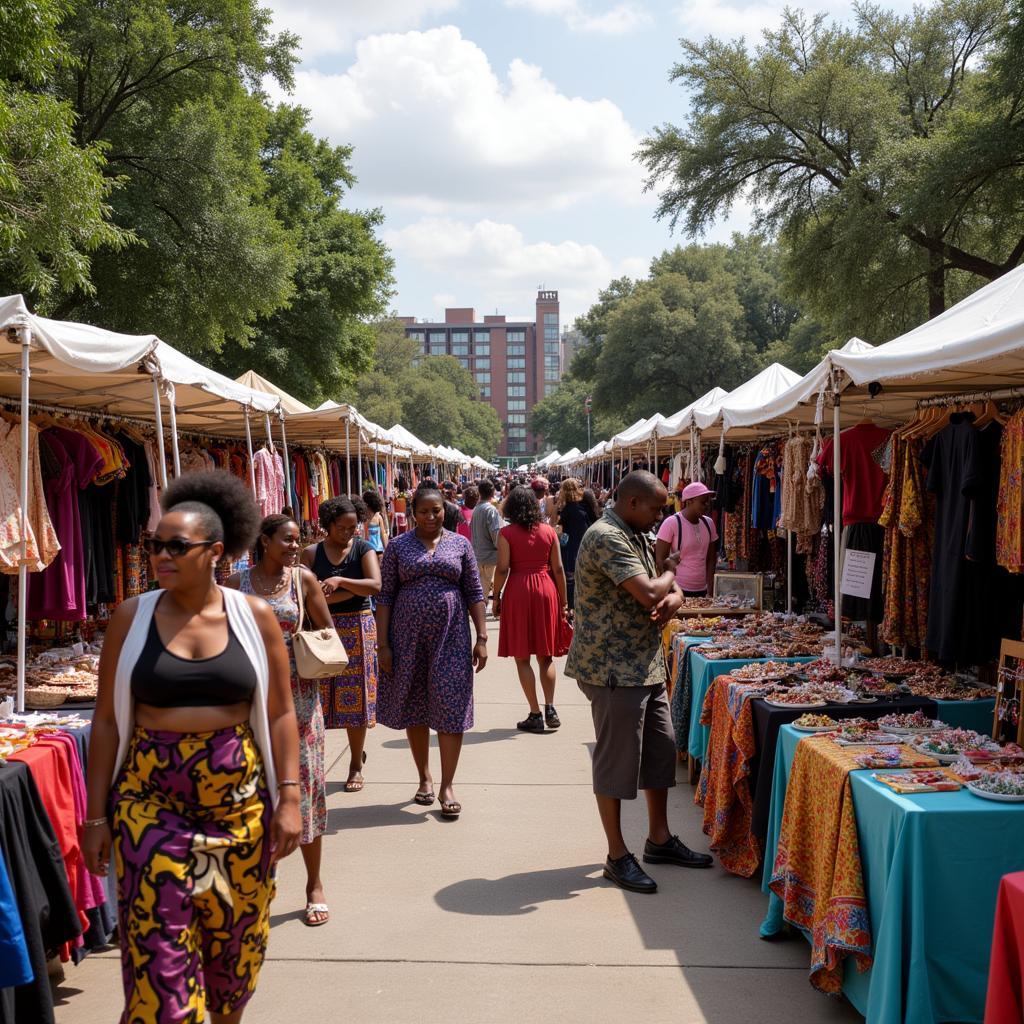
x=316, y=908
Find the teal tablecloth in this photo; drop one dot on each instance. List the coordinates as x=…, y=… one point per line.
x=932, y=865
x=967, y=714
x=703, y=672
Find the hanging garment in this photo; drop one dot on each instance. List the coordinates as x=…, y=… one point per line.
x=1010, y=526
x=42, y=543
x=802, y=497
x=862, y=477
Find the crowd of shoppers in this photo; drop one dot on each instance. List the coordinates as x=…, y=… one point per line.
x=207, y=753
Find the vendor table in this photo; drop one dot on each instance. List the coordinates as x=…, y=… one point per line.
x=703, y=672
x=931, y=865
x=1005, y=1002
x=768, y=720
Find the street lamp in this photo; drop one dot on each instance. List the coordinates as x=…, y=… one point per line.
x=586, y=409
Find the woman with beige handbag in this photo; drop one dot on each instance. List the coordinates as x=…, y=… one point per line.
x=278, y=579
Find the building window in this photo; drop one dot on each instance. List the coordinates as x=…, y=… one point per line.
x=514, y=336
x=482, y=336
x=551, y=334
x=515, y=418
x=485, y=391
x=464, y=362
x=552, y=376
x=483, y=378
x=516, y=364
x=550, y=318
x=416, y=335
x=517, y=432
x=516, y=406
x=460, y=336
x=550, y=389
x=481, y=348
x=460, y=348
x=438, y=343
x=517, y=378
x=515, y=350
x=516, y=392
x=551, y=348
x=483, y=364
x=551, y=362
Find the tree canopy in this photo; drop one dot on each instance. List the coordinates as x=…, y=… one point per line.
x=706, y=316
x=155, y=188
x=885, y=157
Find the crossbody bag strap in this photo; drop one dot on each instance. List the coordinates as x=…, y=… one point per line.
x=297, y=583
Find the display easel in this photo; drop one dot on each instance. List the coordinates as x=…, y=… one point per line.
x=1009, y=688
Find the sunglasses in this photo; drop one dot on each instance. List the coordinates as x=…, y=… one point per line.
x=176, y=547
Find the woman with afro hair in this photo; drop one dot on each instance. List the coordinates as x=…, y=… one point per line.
x=193, y=765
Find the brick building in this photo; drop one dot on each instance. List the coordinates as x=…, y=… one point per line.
x=515, y=363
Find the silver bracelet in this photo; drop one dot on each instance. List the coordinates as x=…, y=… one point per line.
x=94, y=822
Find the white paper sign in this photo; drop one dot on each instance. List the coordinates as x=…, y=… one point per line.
x=858, y=573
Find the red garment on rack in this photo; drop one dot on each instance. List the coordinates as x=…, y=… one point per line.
x=863, y=478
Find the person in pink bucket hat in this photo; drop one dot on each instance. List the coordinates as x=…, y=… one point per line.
x=693, y=534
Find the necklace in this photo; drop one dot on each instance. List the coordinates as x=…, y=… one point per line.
x=275, y=585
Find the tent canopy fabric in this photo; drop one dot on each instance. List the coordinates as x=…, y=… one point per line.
x=752, y=394
x=640, y=433
x=291, y=406
x=106, y=373
x=572, y=456
x=678, y=424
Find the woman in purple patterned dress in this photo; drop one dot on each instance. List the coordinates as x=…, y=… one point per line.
x=274, y=577
x=430, y=583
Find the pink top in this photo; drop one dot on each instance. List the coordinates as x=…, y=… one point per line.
x=694, y=538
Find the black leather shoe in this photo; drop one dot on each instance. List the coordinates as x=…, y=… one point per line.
x=533, y=722
x=674, y=852
x=626, y=873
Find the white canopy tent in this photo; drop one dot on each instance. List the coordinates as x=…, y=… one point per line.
x=755, y=393
x=549, y=459
x=570, y=458
x=679, y=423
x=289, y=405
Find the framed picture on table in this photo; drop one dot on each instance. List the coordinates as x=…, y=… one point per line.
x=738, y=590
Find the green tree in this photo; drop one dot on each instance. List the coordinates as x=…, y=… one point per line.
x=593, y=325
x=562, y=420
x=886, y=157
x=323, y=339
x=53, y=193
x=171, y=91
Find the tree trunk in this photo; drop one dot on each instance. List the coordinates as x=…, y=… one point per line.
x=936, y=284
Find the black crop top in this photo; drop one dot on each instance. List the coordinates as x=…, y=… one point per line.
x=350, y=567
x=163, y=679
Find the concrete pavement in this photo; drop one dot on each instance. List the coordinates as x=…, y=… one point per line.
x=503, y=915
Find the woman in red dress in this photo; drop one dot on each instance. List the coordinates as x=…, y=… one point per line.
x=533, y=602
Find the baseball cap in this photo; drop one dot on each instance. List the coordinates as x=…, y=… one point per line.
x=695, y=490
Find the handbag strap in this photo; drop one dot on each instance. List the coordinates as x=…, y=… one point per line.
x=297, y=584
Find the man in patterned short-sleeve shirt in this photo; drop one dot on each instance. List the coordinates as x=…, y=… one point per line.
x=616, y=658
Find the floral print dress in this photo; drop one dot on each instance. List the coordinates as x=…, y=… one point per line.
x=306, y=695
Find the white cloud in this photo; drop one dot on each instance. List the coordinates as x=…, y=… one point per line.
x=433, y=125
x=579, y=17
x=324, y=29
x=492, y=264
x=727, y=20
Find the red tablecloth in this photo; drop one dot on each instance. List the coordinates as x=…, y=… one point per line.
x=1005, y=1002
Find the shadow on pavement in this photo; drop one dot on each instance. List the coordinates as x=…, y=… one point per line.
x=517, y=894
x=341, y=819
x=469, y=739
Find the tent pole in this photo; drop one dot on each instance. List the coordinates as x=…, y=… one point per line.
x=348, y=455
x=376, y=466
x=789, y=571
x=288, y=489
x=26, y=373
x=173, y=413
x=270, y=434
x=248, y=447
x=160, y=434
x=837, y=517
x=359, y=461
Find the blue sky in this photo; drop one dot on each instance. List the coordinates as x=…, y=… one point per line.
x=498, y=135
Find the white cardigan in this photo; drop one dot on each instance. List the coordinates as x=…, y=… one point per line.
x=243, y=623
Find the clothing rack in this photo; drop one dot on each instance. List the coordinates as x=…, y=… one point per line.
x=972, y=396
x=81, y=414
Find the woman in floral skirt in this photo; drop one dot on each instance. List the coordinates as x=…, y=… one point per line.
x=274, y=577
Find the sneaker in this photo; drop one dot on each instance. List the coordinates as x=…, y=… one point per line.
x=674, y=852
x=626, y=873
x=533, y=722
x=551, y=719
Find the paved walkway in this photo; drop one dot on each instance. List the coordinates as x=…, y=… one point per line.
x=503, y=916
